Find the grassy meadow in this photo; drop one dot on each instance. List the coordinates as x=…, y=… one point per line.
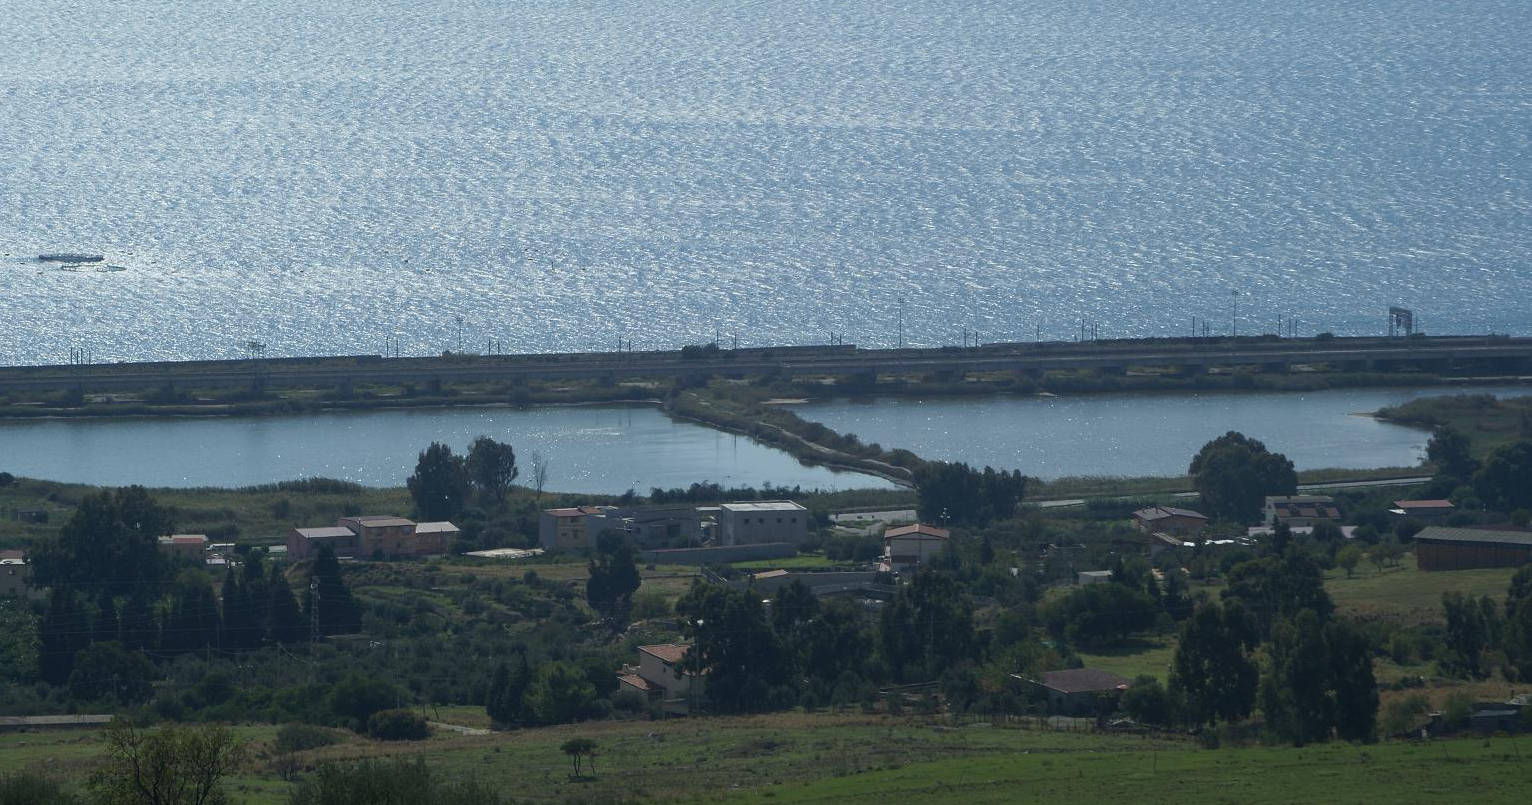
x=824, y=758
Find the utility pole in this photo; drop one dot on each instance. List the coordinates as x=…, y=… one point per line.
x=314, y=611
x=1235, y=326
x=901, y=322
x=460, y=334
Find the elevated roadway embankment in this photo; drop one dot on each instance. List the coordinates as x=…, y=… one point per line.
x=1442, y=354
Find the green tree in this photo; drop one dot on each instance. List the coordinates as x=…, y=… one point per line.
x=1518, y=641
x=927, y=628
x=397, y=725
x=735, y=647
x=614, y=578
x=577, y=748
x=957, y=493
x=1504, y=483
x=389, y=782
x=337, y=610
x=1147, y=702
x=1449, y=450
x=439, y=485
x=507, y=688
x=287, y=623
x=1318, y=682
x=105, y=670
x=356, y=697
x=26, y=788
x=165, y=766
x=1212, y=671
x=1234, y=473
x=1353, y=687
x=1403, y=715
x=193, y=623
x=559, y=693
x=110, y=543
x=492, y=466
x=1467, y=636
x=1099, y=614
x=1347, y=558
x=64, y=630
x=1279, y=587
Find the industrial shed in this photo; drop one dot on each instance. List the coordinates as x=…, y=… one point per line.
x=1441, y=548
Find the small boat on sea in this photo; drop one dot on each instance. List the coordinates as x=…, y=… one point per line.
x=70, y=257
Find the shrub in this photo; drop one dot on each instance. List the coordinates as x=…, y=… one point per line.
x=25, y=788
x=302, y=737
x=397, y=725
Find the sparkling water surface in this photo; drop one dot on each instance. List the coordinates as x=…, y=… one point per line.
x=1140, y=434
x=606, y=449
x=564, y=173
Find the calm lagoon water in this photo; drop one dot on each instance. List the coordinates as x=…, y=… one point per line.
x=591, y=449
x=565, y=173
x=1138, y=434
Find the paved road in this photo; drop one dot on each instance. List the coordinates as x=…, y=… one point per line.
x=1060, y=503
x=835, y=360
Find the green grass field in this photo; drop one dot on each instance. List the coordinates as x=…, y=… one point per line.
x=1408, y=594
x=1452, y=771
x=826, y=758
x=1149, y=657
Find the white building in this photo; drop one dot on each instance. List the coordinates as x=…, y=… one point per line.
x=762, y=521
x=659, y=677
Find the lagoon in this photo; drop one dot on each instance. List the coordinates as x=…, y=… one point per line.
x=594, y=449
x=1139, y=434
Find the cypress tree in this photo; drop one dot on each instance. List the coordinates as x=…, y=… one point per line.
x=287, y=623
x=337, y=611
x=64, y=630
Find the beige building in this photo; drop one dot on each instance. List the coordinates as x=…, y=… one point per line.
x=658, y=677
x=185, y=546
x=762, y=521
x=910, y=546
x=304, y=543
x=565, y=529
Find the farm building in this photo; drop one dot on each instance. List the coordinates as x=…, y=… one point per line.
x=1166, y=520
x=1441, y=548
x=1081, y=691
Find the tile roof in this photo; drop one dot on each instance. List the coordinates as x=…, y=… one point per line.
x=669, y=652
x=639, y=682
x=1494, y=536
x=1084, y=680
x=922, y=530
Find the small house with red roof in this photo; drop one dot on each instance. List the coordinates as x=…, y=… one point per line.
x=908, y=547
x=661, y=677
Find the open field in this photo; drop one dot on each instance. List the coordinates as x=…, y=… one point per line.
x=1147, y=656
x=1450, y=771
x=849, y=758
x=1409, y=595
